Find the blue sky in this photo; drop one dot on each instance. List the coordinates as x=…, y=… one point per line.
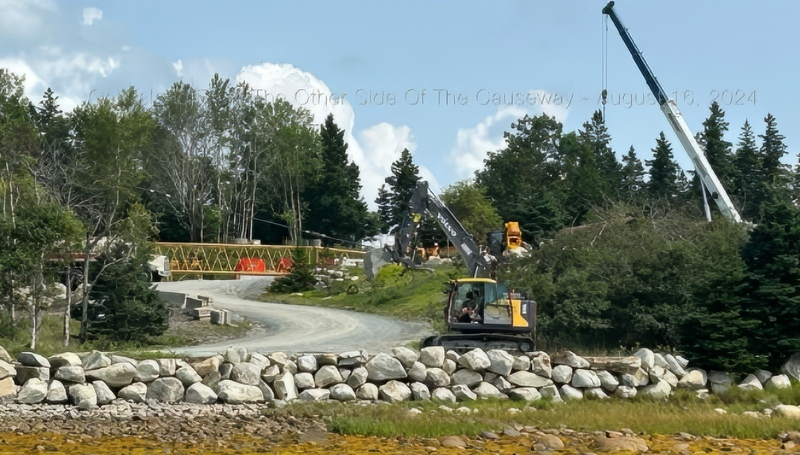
x=373, y=60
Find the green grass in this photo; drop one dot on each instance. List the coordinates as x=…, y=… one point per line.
x=682, y=413
x=406, y=294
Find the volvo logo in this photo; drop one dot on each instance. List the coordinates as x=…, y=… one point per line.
x=446, y=225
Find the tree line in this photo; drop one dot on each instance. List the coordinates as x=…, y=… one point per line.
x=623, y=254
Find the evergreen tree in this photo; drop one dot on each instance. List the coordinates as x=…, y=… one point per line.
x=632, y=175
x=585, y=184
x=774, y=174
x=716, y=148
x=335, y=207
x=595, y=136
x=749, y=185
x=664, y=172
x=402, y=182
x=384, y=201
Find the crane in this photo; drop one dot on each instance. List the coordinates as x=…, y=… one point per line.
x=703, y=168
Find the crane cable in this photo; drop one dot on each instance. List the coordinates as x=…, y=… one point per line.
x=604, y=78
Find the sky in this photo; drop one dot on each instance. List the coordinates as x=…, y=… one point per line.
x=444, y=79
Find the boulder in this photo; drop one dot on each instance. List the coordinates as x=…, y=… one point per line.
x=432, y=356
x=233, y=392
x=208, y=365
x=419, y=391
x=7, y=370
x=436, y=377
x=763, y=375
x=368, y=392
x=674, y=366
x=658, y=391
x=585, y=379
x=671, y=379
x=466, y=377
x=444, y=395
x=94, y=360
x=450, y=366
x=314, y=395
x=188, y=376
x=64, y=359
x=271, y=373
x=394, y=391
x=720, y=381
x=528, y=379
x=82, y=395
x=788, y=410
x=501, y=362
x=304, y=381
x=418, y=372
x=619, y=365
x=236, y=355
x=289, y=367
x=779, y=381
x=266, y=391
x=463, y=393
x=682, y=361
x=694, y=379
x=212, y=380
x=116, y=375
x=327, y=375
x=147, y=370
x=624, y=391
x=406, y=356
x=104, y=394
x=521, y=363
x=358, y=377
x=524, y=394
x=502, y=384
x=307, y=364
x=570, y=393
x=8, y=390
x=647, y=358
x=570, y=359
x=136, y=392
x=540, y=364
x=25, y=373
x=751, y=382
x=71, y=373
x=608, y=381
x=342, y=392
x=122, y=359
x=351, y=359
x=167, y=367
x=278, y=358
x=792, y=367
x=31, y=359
x=562, y=374
x=4, y=355
x=246, y=373
x=486, y=390
x=167, y=390
x=658, y=359
x=384, y=367
x=285, y=388
x=56, y=393
x=199, y=393
x=475, y=360
x=259, y=360
x=627, y=444
x=32, y=392
x=326, y=358
x=596, y=393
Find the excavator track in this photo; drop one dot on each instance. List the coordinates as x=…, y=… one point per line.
x=465, y=342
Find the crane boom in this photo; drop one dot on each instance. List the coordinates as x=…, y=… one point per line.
x=678, y=124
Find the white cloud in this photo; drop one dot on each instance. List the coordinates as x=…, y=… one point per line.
x=178, y=68
x=376, y=146
x=473, y=144
x=91, y=14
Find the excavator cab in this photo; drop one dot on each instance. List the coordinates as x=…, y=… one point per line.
x=481, y=304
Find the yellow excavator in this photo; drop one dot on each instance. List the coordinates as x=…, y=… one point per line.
x=479, y=312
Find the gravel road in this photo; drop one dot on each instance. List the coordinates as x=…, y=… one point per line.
x=294, y=328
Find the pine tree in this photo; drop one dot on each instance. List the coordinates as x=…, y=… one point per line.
x=749, y=185
x=384, y=201
x=632, y=175
x=595, y=136
x=402, y=182
x=335, y=207
x=716, y=148
x=664, y=172
x=775, y=174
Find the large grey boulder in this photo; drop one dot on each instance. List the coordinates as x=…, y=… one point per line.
x=419, y=391
x=208, y=365
x=608, y=381
x=463, y=393
x=136, y=392
x=95, y=359
x=31, y=359
x=595, y=392
x=56, y=393
x=104, y=394
x=694, y=379
x=342, y=392
x=314, y=395
x=779, y=381
x=199, y=393
x=570, y=393
x=524, y=394
x=674, y=366
x=246, y=373
x=327, y=358
x=7, y=370
x=289, y=367
x=502, y=384
x=358, y=377
x=64, y=359
x=25, y=373
x=259, y=360
x=351, y=359
x=444, y=395
x=167, y=390
x=541, y=365
x=327, y=375
x=788, y=410
x=624, y=391
x=647, y=358
x=266, y=391
x=394, y=391
x=71, y=373
x=528, y=379
x=436, y=377
x=188, y=376
x=116, y=375
x=551, y=391
x=487, y=390
x=122, y=359
x=271, y=373
x=147, y=370
x=501, y=362
x=521, y=363
x=233, y=392
x=658, y=391
x=585, y=379
x=285, y=388
x=307, y=364
x=167, y=367
x=751, y=382
x=570, y=359
x=33, y=391
x=82, y=395
x=450, y=366
x=406, y=356
x=763, y=375
x=432, y=356
x=620, y=365
x=8, y=390
x=466, y=377
x=475, y=360
x=418, y=372
x=4, y=355
x=304, y=381
x=562, y=374
x=792, y=367
x=367, y=392
x=278, y=358
x=236, y=355
x=384, y=367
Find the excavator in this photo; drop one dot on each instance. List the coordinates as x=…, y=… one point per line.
x=479, y=312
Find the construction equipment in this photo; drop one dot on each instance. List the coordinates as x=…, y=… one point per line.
x=479, y=312
x=707, y=176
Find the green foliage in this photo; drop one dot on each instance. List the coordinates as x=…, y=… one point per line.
x=663, y=185
x=402, y=183
x=299, y=279
x=469, y=204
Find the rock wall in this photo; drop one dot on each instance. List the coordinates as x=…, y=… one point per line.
x=239, y=377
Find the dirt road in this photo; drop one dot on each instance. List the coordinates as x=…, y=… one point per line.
x=293, y=328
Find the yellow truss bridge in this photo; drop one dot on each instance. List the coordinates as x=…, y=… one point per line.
x=186, y=259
